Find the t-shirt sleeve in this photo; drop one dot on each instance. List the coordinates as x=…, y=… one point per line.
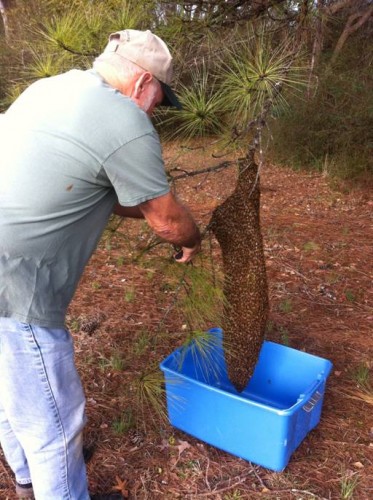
x=136, y=170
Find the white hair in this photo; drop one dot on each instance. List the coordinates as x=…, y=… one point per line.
x=117, y=69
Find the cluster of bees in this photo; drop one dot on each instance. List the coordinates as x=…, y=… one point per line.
x=236, y=226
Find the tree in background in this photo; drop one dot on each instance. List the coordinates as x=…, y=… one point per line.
x=330, y=127
x=5, y=9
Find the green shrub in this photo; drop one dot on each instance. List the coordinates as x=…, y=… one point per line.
x=332, y=130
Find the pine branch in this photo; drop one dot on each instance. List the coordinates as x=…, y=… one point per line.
x=73, y=51
x=214, y=168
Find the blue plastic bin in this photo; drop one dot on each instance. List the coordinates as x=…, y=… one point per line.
x=263, y=424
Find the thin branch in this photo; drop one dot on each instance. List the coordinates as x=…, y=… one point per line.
x=354, y=22
x=226, y=488
x=335, y=7
x=73, y=51
x=5, y=6
x=173, y=302
x=215, y=168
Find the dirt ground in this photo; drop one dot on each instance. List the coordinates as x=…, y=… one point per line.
x=125, y=320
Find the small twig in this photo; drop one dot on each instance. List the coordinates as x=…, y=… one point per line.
x=305, y=492
x=176, y=169
x=202, y=181
x=260, y=479
x=195, y=148
x=153, y=242
x=206, y=474
x=192, y=148
x=226, y=153
x=221, y=490
x=215, y=168
x=292, y=270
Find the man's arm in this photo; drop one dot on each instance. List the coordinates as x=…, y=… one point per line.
x=172, y=222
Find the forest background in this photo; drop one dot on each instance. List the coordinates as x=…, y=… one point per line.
x=327, y=121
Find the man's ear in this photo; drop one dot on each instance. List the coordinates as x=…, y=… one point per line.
x=142, y=83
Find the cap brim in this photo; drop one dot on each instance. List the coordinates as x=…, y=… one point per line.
x=169, y=98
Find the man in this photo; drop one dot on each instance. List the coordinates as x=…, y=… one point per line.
x=74, y=148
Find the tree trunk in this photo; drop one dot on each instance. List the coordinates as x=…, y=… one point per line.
x=5, y=6
x=317, y=45
x=236, y=225
x=354, y=22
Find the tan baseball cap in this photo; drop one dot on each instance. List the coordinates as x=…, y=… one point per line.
x=150, y=53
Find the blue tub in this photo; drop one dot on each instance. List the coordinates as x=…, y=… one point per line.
x=263, y=424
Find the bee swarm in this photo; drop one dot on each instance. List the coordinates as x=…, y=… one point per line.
x=236, y=226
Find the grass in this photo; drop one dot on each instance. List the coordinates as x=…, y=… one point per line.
x=124, y=423
x=311, y=246
x=141, y=344
x=269, y=327
x=204, y=349
x=366, y=396
x=286, y=306
x=361, y=375
x=284, y=334
x=129, y=295
x=150, y=395
x=350, y=296
x=332, y=278
x=194, y=465
x=74, y=325
x=359, y=395
x=120, y=261
x=235, y=495
x=150, y=275
x=348, y=485
x=115, y=362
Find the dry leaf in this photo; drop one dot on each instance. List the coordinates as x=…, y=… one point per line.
x=358, y=465
x=184, y=445
x=121, y=486
x=165, y=444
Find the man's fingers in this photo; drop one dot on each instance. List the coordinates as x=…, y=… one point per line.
x=186, y=254
x=178, y=255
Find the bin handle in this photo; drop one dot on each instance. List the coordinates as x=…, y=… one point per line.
x=314, y=399
x=314, y=396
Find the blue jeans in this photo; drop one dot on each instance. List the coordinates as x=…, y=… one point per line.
x=42, y=410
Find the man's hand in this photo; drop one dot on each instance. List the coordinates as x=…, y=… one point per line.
x=186, y=254
x=173, y=222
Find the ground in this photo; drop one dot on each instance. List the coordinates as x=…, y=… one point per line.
x=125, y=320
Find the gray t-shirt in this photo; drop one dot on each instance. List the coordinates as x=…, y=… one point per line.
x=71, y=146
